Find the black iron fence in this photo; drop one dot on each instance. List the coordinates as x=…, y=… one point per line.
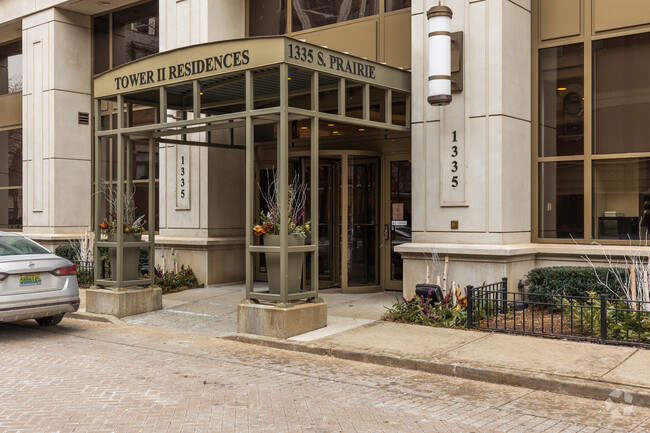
x=597, y=318
x=86, y=270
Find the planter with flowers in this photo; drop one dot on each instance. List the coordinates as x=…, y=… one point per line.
x=269, y=230
x=133, y=229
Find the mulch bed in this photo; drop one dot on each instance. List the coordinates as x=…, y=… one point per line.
x=531, y=321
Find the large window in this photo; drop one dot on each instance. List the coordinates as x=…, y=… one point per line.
x=269, y=17
x=11, y=179
x=593, y=140
x=11, y=68
x=125, y=35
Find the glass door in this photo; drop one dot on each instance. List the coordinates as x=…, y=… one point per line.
x=397, y=217
x=329, y=231
x=362, y=221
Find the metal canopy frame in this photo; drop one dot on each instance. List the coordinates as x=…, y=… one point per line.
x=282, y=114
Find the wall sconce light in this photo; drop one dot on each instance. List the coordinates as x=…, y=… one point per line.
x=440, y=53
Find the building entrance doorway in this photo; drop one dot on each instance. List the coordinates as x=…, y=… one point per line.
x=364, y=207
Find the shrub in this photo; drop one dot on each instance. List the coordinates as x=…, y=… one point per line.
x=575, y=281
x=66, y=251
x=184, y=279
x=421, y=312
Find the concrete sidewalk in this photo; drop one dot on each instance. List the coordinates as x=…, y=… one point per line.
x=354, y=332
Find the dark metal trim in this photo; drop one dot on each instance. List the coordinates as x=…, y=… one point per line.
x=440, y=33
x=439, y=100
x=439, y=11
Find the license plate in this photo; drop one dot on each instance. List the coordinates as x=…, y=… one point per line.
x=30, y=280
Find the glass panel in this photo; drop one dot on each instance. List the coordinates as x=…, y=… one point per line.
x=267, y=17
x=11, y=158
x=362, y=221
x=621, y=199
x=400, y=202
x=299, y=88
x=308, y=14
x=101, y=44
x=393, y=5
x=561, y=101
x=221, y=95
x=11, y=68
x=621, y=98
x=399, y=108
x=353, y=99
x=328, y=93
x=11, y=208
x=135, y=33
x=377, y=104
x=327, y=221
x=266, y=88
x=561, y=207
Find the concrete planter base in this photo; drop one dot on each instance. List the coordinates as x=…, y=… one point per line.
x=272, y=321
x=122, y=303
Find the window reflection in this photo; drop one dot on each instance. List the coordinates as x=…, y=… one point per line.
x=393, y=5
x=621, y=98
x=11, y=179
x=621, y=199
x=11, y=68
x=561, y=208
x=308, y=14
x=267, y=17
x=135, y=33
x=561, y=101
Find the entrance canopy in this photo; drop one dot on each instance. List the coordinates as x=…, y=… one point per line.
x=238, y=84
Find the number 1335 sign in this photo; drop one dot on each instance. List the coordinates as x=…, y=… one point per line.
x=453, y=170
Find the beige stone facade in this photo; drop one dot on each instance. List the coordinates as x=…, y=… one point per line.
x=488, y=223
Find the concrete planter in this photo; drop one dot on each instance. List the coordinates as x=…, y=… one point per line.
x=273, y=264
x=131, y=258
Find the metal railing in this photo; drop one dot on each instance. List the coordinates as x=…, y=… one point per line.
x=598, y=318
x=86, y=270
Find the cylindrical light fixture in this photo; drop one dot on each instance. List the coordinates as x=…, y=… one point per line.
x=439, y=24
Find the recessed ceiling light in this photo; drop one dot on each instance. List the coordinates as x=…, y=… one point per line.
x=304, y=127
x=361, y=129
x=560, y=89
x=335, y=132
x=330, y=124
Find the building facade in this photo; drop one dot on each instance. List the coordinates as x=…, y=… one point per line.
x=540, y=154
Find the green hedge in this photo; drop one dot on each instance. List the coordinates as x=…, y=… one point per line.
x=575, y=280
x=66, y=251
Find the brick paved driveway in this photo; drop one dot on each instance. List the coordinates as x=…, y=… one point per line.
x=90, y=377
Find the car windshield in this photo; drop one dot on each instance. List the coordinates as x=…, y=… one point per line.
x=16, y=246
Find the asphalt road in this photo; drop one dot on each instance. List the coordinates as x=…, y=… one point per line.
x=93, y=377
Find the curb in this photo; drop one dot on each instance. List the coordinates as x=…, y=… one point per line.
x=575, y=387
x=104, y=318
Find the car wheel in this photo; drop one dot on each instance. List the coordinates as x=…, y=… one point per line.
x=50, y=321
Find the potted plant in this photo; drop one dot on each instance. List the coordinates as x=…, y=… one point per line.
x=269, y=229
x=133, y=229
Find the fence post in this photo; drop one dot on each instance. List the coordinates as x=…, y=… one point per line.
x=603, y=318
x=504, y=295
x=470, y=305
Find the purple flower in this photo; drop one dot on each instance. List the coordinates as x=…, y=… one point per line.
x=300, y=215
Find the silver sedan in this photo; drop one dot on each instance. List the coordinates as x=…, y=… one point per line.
x=34, y=283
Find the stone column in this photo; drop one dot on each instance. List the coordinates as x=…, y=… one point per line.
x=490, y=121
x=56, y=147
x=205, y=224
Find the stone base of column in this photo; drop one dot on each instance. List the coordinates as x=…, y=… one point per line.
x=272, y=321
x=123, y=302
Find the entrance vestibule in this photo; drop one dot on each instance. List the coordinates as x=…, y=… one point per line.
x=262, y=101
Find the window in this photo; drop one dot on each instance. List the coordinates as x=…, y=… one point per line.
x=14, y=245
x=307, y=14
x=593, y=165
x=11, y=68
x=11, y=179
x=135, y=34
x=267, y=17
x=393, y=5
